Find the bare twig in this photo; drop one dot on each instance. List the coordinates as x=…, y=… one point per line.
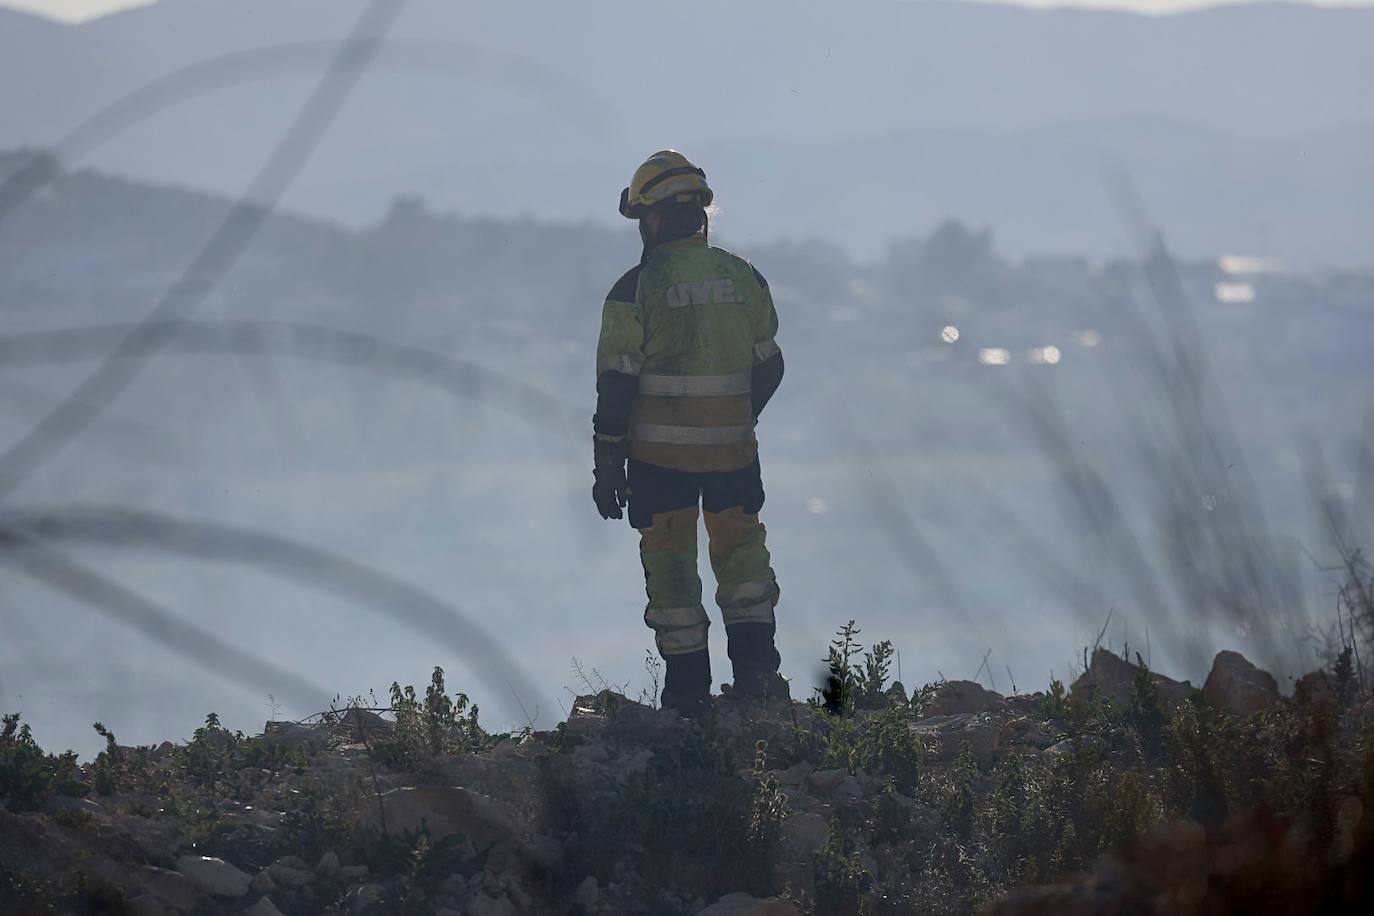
x=1102, y=632
x=529, y=720
x=986, y=656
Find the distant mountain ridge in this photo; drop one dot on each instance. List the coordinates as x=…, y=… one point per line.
x=1246, y=127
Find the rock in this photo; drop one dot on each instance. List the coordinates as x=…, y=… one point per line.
x=364, y=725
x=953, y=697
x=289, y=876
x=214, y=876
x=581, y=727
x=1314, y=689
x=482, y=905
x=635, y=763
x=262, y=883
x=749, y=905
x=1090, y=744
x=328, y=864
x=588, y=755
x=607, y=702
x=353, y=872
x=1237, y=686
x=1035, y=734
x=517, y=893
x=796, y=774
x=148, y=905
x=588, y=893
x=849, y=788
x=823, y=782
x=446, y=810
x=1111, y=676
x=56, y=803
x=869, y=784
x=802, y=835
x=948, y=734
x=455, y=885
x=638, y=725
x=364, y=896
x=544, y=852
x=1025, y=704
x=309, y=739
x=172, y=888
x=264, y=907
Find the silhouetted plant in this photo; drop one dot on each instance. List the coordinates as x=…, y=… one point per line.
x=28, y=775
x=429, y=729
x=837, y=696
x=872, y=680
x=1054, y=702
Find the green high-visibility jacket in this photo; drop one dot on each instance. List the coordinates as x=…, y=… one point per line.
x=689, y=323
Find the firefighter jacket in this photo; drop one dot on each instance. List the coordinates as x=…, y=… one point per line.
x=683, y=335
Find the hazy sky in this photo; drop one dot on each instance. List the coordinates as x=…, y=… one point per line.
x=77, y=10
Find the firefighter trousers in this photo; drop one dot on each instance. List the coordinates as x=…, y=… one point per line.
x=664, y=505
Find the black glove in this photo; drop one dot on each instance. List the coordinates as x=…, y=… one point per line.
x=611, y=489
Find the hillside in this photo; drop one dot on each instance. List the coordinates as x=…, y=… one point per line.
x=1244, y=124
x=398, y=394
x=951, y=800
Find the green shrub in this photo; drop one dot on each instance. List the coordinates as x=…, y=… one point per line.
x=837, y=696
x=73, y=818
x=891, y=817
x=212, y=755
x=887, y=746
x=688, y=816
x=767, y=810
x=1129, y=812
x=838, y=744
x=1019, y=815
x=429, y=729
x=872, y=679
x=271, y=754
x=28, y=775
x=959, y=795
x=1054, y=703
x=411, y=865
x=851, y=684
x=921, y=697
x=1145, y=712
x=841, y=881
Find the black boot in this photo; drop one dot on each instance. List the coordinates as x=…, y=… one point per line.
x=756, y=661
x=687, y=683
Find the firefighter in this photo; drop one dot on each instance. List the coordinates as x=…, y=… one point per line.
x=686, y=362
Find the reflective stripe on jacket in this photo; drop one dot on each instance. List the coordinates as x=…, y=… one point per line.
x=690, y=322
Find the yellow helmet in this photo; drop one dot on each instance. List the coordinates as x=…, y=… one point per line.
x=667, y=174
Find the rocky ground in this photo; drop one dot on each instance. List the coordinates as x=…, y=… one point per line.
x=1127, y=792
